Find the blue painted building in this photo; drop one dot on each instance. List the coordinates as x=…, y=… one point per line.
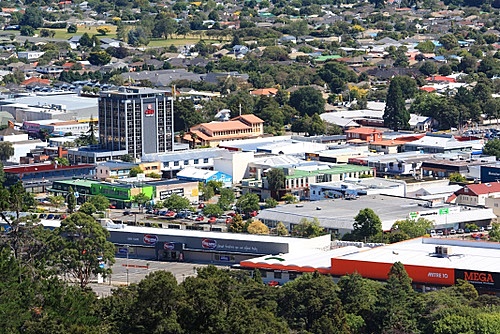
x=203, y=175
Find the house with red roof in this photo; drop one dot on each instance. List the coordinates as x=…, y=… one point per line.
x=475, y=194
x=35, y=81
x=264, y=92
x=440, y=78
x=363, y=134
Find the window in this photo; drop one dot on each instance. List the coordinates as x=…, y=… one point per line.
x=196, y=161
x=277, y=274
x=205, y=161
x=176, y=163
x=186, y=162
x=292, y=276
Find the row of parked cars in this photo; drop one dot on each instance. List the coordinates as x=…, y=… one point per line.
x=53, y=216
x=458, y=231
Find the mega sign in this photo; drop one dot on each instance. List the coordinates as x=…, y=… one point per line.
x=480, y=278
x=149, y=111
x=150, y=239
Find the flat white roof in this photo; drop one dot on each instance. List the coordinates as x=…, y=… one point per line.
x=466, y=255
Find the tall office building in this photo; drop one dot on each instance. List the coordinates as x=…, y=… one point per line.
x=136, y=119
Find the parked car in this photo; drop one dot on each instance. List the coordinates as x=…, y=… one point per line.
x=163, y=213
x=199, y=219
x=42, y=216
x=201, y=206
x=58, y=217
x=460, y=231
x=452, y=231
x=111, y=206
x=50, y=216
x=212, y=220
x=440, y=233
x=127, y=213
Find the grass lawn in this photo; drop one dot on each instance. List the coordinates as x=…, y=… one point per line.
x=63, y=33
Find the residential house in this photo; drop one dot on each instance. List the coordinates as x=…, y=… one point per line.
x=475, y=194
x=30, y=55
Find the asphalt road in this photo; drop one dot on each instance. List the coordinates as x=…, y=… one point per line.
x=139, y=269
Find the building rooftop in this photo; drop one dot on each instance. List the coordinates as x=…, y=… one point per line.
x=466, y=255
x=78, y=182
x=223, y=126
x=42, y=167
x=340, y=213
x=338, y=169
x=117, y=165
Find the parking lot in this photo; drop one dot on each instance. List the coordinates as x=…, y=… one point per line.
x=130, y=271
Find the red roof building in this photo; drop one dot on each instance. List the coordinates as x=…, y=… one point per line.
x=475, y=194
x=364, y=134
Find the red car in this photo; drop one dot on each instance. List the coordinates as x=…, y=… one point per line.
x=232, y=214
x=199, y=219
x=253, y=213
x=201, y=206
x=212, y=220
x=273, y=283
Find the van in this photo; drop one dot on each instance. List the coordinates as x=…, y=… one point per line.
x=433, y=233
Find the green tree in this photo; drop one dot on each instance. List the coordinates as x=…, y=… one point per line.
x=99, y=58
x=134, y=171
x=257, y=227
x=457, y=178
x=428, y=68
x=207, y=191
x=289, y=198
x=397, y=307
x=212, y=210
x=85, y=40
x=275, y=181
x=237, y=225
x=154, y=305
x=72, y=29
x=71, y=199
x=448, y=41
x=176, y=202
x=366, y=224
x=32, y=17
x=492, y=147
x=87, y=208
x=247, y=203
x=56, y=201
x=445, y=70
x=413, y=228
x=494, y=233
x=271, y=202
x=359, y=297
x=308, y=229
x=311, y=304
x=307, y=101
x=396, y=116
x=281, y=229
x=6, y=150
x=226, y=199
x=141, y=199
x=100, y=202
x=83, y=247
x=426, y=46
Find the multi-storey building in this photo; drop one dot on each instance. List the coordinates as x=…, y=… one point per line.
x=136, y=119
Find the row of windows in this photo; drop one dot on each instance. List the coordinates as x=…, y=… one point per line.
x=186, y=162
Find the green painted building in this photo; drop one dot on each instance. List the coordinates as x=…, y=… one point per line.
x=120, y=195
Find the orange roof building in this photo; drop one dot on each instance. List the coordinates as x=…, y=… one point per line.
x=365, y=134
x=35, y=81
x=211, y=134
x=264, y=92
